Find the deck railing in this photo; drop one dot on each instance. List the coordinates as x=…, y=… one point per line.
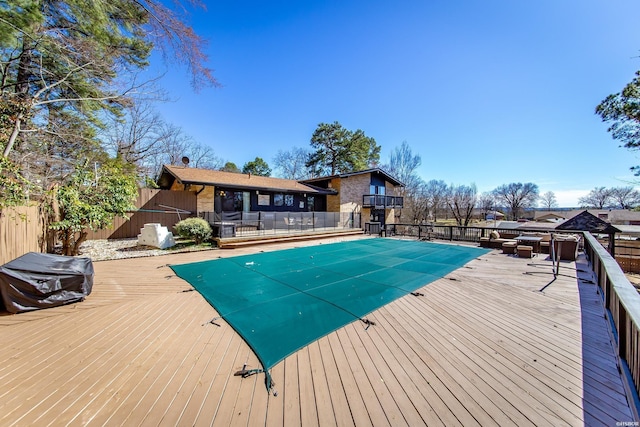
x=381, y=201
x=622, y=303
x=445, y=232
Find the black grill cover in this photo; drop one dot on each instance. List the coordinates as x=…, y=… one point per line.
x=34, y=281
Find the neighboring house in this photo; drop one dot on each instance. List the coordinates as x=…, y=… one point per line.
x=494, y=216
x=370, y=193
x=548, y=217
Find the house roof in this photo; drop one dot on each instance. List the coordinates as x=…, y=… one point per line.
x=586, y=221
x=540, y=216
x=373, y=171
x=197, y=176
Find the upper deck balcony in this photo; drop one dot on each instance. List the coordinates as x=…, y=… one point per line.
x=378, y=201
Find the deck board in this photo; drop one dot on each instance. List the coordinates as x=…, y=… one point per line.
x=483, y=346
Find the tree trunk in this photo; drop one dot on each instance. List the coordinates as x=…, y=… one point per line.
x=79, y=241
x=14, y=135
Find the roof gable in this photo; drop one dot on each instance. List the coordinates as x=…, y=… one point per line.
x=586, y=221
x=373, y=171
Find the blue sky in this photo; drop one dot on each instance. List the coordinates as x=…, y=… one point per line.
x=487, y=93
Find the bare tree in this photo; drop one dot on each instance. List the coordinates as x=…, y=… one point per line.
x=461, y=200
x=135, y=136
x=517, y=196
x=291, y=164
x=548, y=200
x=204, y=157
x=598, y=198
x=416, y=204
x=402, y=166
x=487, y=203
x=625, y=197
x=435, y=191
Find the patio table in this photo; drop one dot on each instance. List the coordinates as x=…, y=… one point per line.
x=530, y=240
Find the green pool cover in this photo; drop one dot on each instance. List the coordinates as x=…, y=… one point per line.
x=281, y=301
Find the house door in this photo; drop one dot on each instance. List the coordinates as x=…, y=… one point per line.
x=377, y=215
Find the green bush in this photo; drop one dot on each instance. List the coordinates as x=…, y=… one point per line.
x=194, y=228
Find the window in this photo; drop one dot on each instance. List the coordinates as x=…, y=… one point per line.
x=288, y=199
x=278, y=199
x=377, y=189
x=237, y=201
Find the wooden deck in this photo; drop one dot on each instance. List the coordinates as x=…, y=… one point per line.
x=483, y=346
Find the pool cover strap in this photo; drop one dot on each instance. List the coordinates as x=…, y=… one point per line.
x=283, y=300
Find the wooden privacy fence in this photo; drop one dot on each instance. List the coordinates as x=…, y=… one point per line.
x=164, y=207
x=22, y=229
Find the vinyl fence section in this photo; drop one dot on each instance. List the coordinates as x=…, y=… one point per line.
x=163, y=207
x=22, y=229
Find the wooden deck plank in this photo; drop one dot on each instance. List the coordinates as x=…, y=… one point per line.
x=141, y=352
x=340, y=402
x=356, y=400
x=578, y=374
x=259, y=400
x=489, y=407
x=72, y=372
x=291, y=392
x=165, y=367
x=275, y=408
x=369, y=348
x=483, y=347
x=321, y=390
x=202, y=380
x=223, y=376
x=308, y=400
x=368, y=386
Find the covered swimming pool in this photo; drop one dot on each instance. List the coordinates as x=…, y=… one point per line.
x=281, y=301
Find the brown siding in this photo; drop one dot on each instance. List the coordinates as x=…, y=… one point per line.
x=150, y=204
x=333, y=202
x=22, y=230
x=351, y=191
x=205, y=199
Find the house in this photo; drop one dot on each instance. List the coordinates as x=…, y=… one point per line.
x=219, y=191
x=370, y=194
x=553, y=217
x=494, y=216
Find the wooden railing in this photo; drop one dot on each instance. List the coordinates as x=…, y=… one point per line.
x=622, y=303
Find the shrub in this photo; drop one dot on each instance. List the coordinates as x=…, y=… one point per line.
x=194, y=228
